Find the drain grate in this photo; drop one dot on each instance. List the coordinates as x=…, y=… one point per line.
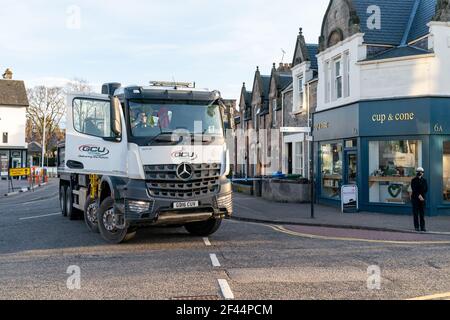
x=196, y=298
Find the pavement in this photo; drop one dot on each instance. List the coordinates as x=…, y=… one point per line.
x=255, y=209
x=41, y=252
x=18, y=184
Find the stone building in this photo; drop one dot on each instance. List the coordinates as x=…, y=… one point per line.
x=299, y=102
x=383, y=100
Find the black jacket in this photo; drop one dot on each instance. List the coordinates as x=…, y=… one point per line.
x=419, y=188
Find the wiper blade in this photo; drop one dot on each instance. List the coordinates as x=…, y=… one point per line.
x=163, y=136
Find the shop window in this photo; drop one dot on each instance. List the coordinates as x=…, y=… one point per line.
x=446, y=171
x=4, y=163
x=331, y=168
x=392, y=166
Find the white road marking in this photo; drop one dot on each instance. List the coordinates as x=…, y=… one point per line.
x=214, y=260
x=226, y=290
x=207, y=242
x=42, y=216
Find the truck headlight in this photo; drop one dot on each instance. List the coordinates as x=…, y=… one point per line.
x=226, y=202
x=138, y=206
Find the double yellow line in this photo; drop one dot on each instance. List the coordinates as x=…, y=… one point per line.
x=440, y=296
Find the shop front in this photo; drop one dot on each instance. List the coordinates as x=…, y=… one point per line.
x=378, y=145
x=11, y=158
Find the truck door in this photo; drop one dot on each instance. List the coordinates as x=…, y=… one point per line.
x=92, y=145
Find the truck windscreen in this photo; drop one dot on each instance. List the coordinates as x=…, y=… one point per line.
x=149, y=120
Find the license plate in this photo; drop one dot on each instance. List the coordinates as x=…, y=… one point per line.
x=186, y=205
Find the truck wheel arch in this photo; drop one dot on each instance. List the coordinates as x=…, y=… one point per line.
x=111, y=186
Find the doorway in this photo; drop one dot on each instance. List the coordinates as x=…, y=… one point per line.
x=351, y=168
x=290, y=158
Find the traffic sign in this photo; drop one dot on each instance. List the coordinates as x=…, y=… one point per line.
x=295, y=130
x=19, y=172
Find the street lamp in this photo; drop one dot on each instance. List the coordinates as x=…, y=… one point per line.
x=43, y=129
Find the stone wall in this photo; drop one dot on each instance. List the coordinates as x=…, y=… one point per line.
x=286, y=191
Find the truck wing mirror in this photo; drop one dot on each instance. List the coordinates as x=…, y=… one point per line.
x=116, y=123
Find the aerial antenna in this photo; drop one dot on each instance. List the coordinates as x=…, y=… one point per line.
x=284, y=53
x=174, y=81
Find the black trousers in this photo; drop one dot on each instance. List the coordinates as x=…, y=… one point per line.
x=419, y=214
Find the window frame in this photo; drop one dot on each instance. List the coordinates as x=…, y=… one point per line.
x=110, y=117
x=338, y=78
x=301, y=92
x=299, y=167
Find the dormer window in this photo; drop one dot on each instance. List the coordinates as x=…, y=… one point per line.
x=300, y=92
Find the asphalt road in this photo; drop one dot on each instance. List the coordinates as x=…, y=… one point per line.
x=38, y=245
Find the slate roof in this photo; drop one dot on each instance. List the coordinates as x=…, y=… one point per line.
x=399, y=18
x=248, y=98
x=425, y=13
x=265, y=81
x=13, y=93
x=284, y=81
x=396, y=52
x=313, y=50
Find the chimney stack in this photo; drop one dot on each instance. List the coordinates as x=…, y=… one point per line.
x=8, y=75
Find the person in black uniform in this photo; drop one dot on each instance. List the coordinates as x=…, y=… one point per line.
x=419, y=188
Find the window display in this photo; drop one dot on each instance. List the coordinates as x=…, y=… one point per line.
x=331, y=170
x=446, y=171
x=392, y=166
x=4, y=163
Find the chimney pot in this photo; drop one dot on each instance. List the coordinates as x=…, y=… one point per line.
x=8, y=74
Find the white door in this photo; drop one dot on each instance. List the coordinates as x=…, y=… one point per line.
x=91, y=145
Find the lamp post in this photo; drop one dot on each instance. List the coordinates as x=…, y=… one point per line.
x=43, y=129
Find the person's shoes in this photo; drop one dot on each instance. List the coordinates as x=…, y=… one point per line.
x=424, y=230
x=417, y=230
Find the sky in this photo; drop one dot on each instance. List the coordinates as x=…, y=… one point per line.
x=215, y=43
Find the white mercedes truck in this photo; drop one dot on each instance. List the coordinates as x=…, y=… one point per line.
x=138, y=157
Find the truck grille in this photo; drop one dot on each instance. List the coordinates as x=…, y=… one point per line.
x=163, y=182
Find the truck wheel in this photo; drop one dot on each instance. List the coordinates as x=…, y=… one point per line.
x=203, y=228
x=71, y=212
x=90, y=214
x=62, y=200
x=107, y=224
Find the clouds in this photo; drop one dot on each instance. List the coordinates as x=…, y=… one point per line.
x=216, y=43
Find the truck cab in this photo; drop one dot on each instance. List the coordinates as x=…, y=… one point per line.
x=145, y=156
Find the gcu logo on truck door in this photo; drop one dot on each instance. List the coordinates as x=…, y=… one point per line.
x=90, y=151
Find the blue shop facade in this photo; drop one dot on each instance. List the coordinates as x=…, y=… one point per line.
x=378, y=145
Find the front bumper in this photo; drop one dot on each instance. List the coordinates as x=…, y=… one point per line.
x=139, y=208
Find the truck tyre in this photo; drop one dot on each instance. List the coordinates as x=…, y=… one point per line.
x=107, y=227
x=90, y=214
x=71, y=212
x=203, y=228
x=62, y=200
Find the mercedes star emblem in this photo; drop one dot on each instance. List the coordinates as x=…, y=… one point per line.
x=185, y=171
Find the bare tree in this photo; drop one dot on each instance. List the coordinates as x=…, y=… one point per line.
x=48, y=103
x=79, y=85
